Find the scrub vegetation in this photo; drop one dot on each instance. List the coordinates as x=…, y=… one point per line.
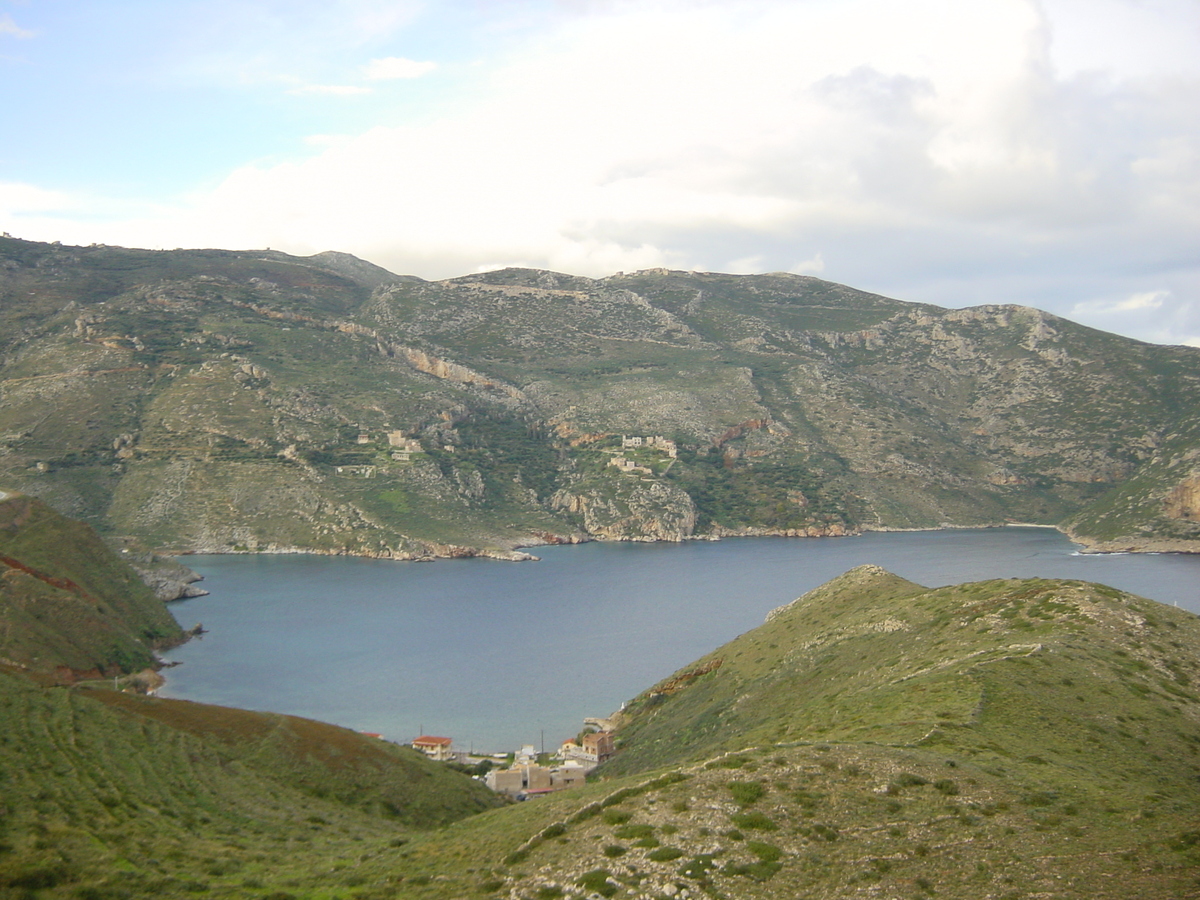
x=253, y=401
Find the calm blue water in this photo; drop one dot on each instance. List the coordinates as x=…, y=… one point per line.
x=496, y=654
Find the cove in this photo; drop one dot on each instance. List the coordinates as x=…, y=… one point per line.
x=497, y=654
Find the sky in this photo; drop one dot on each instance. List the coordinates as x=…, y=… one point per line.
x=1039, y=152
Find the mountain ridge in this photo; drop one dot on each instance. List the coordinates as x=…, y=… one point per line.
x=233, y=401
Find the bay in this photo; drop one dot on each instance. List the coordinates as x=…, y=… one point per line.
x=497, y=654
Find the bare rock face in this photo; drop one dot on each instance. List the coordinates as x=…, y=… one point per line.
x=639, y=511
x=168, y=579
x=1183, y=502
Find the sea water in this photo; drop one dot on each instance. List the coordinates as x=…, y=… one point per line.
x=498, y=654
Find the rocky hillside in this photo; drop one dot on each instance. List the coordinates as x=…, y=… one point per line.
x=236, y=401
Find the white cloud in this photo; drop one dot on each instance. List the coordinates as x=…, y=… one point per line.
x=747, y=265
x=18, y=199
x=12, y=29
x=393, y=67
x=812, y=266
x=1144, y=301
x=937, y=151
x=331, y=90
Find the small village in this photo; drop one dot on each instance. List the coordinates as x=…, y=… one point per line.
x=527, y=773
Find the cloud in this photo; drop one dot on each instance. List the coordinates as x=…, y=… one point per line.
x=932, y=151
x=812, y=266
x=250, y=42
x=18, y=199
x=393, y=67
x=12, y=29
x=331, y=90
x=1141, y=302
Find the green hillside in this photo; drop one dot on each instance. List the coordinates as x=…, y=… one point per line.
x=68, y=603
x=1008, y=739
x=253, y=401
x=1013, y=739
x=112, y=795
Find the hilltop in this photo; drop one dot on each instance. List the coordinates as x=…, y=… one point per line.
x=253, y=401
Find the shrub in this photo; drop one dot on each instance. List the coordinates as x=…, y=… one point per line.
x=698, y=866
x=664, y=854
x=597, y=880
x=764, y=851
x=946, y=786
x=630, y=832
x=747, y=793
x=612, y=851
x=754, y=821
x=616, y=816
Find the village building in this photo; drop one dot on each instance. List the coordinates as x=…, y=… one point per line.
x=628, y=466
x=531, y=779
x=361, y=471
x=403, y=443
x=657, y=442
x=597, y=747
x=439, y=748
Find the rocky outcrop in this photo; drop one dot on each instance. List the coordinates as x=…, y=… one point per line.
x=447, y=370
x=1183, y=501
x=168, y=579
x=633, y=511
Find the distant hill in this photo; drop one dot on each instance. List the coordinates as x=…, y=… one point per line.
x=242, y=401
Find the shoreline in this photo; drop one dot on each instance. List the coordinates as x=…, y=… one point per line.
x=517, y=552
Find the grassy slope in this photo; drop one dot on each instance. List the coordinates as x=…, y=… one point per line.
x=111, y=795
x=67, y=600
x=1000, y=739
